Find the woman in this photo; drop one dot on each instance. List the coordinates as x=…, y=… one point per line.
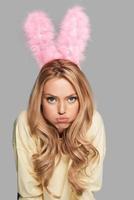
x=59, y=142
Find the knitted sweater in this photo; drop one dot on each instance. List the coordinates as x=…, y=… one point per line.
x=24, y=147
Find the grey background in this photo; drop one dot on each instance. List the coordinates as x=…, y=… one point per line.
x=108, y=66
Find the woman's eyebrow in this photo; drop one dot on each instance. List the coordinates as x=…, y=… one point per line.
x=56, y=96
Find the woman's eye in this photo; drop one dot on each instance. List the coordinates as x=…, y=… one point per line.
x=51, y=99
x=72, y=99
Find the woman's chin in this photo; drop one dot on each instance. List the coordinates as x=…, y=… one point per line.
x=62, y=127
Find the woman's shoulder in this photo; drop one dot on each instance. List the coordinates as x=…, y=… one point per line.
x=22, y=133
x=97, y=118
x=22, y=116
x=97, y=123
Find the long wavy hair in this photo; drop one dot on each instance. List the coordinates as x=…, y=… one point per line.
x=74, y=144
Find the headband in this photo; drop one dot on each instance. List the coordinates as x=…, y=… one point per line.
x=70, y=42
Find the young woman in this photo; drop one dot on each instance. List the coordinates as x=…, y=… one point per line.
x=59, y=141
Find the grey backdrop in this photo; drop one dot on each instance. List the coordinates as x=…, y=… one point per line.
x=108, y=66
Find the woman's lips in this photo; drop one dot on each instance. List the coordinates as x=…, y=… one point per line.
x=62, y=120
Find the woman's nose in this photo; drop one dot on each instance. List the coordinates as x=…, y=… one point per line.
x=61, y=108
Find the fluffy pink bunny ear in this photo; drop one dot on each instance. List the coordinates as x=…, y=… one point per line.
x=75, y=31
x=72, y=39
x=40, y=35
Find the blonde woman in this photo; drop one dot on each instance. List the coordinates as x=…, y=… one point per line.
x=59, y=141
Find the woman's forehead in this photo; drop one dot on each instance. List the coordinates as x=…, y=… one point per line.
x=59, y=87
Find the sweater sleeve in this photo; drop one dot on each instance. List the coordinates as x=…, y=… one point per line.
x=24, y=146
x=97, y=132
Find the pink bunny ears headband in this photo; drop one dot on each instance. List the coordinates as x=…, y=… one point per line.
x=70, y=42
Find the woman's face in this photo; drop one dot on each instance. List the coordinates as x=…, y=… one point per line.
x=60, y=103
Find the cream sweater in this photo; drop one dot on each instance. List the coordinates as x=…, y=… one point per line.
x=28, y=187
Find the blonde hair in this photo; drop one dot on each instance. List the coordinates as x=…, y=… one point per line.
x=80, y=150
